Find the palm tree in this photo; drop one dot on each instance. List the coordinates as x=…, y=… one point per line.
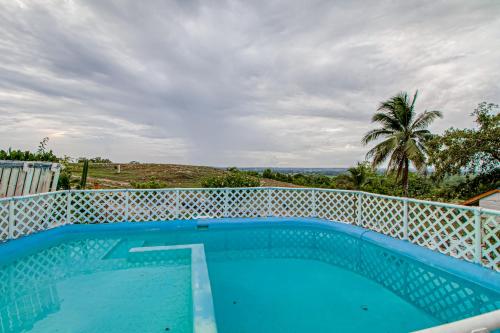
x=358, y=175
x=405, y=136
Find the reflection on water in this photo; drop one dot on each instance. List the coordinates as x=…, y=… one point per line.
x=28, y=287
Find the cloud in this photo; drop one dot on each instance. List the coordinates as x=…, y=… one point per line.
x=235, y=83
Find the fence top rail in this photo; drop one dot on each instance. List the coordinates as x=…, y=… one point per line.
x=30, y=196
x=402, y=199
x=20, y=164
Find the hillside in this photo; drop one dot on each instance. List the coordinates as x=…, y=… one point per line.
x=105, y=175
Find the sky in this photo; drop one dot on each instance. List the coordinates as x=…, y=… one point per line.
x=235, y=83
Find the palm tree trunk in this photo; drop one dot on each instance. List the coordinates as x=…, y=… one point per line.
x=405, y=177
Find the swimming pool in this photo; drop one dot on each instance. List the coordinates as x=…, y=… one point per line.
x=233, y=275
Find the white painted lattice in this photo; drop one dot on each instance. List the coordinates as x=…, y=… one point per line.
x=36, y=213
x=4, y=220
x=285, y=202
x=449, y=230
x=336, y=206
x=247, y=203
x=384, y=215
x=200, y=203
x=461, y=232
x=153, y=205
x=98, y=206
x=490, y=241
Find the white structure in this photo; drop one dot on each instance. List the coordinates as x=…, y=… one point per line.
x=23, y=178
x=491, y=201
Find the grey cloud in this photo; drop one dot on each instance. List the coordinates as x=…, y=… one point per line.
x=235, y=83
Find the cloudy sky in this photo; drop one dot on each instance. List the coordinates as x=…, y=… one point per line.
x=250, y=83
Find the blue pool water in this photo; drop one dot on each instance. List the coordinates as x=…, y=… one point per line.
x=264, y=278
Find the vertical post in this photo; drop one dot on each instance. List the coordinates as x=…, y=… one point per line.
x=56, y=169
x=313, y=208
x=11, y=219
x=177, y=198
x=269, y=207
x=477, y=236
x=29, y=169
x=68, y=207
x=359, y=218
x=226, y=201
x=127, y=206
x=405, y=218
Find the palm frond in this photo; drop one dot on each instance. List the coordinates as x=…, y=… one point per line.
x=387, y=120
x=425, y=119
x=381, y=151
x=375, y=134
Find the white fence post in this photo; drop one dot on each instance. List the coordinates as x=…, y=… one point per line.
x=68, y=208
x=269, y=197
x=405, y=218
x=56, y=169
x=477, y=236
x=177, y=198
x=127, y=206
x=313, y=209
x=359, y=218
x=225, y=209
x=11, y=219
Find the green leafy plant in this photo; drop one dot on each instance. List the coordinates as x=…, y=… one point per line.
x=473, y=151
x=231, y=179
x=405, y=136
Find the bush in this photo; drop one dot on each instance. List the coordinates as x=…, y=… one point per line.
x=231, y=179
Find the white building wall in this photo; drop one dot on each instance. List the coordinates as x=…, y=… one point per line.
x=491, y=201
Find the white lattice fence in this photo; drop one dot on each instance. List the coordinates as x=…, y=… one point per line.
x=151, y=205
x=291, y=202
x=340, y=206
x=463, y=232
x=383, y=214
x=200, y=203
x=490, y=241
x=4, y=220
x=247, y=203
x=37, y=213
x=447, y=229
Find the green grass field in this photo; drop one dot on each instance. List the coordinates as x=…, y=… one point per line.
x=106, y=176
x=131, y=175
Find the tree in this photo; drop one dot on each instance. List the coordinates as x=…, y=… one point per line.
x=358, y=175
x=473, y=151
x=405, y=136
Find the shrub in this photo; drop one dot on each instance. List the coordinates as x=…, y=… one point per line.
x=231, y=179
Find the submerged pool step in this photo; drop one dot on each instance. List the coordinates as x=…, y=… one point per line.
x=160, y=254
x=203, y=308
x=120, y=250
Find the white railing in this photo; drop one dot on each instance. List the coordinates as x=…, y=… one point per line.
x=468, y=233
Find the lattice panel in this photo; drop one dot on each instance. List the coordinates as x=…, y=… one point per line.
x=491, y=241
x=292, y=203
x=4, y=220
x=246, y=203
x=383, y=215
x=336, y=206
x=444, y=229
x=200, y=203
x=98, y=207
x=152, y=205
x=38, y=213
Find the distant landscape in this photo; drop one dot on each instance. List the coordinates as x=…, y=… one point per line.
x=305, y=171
